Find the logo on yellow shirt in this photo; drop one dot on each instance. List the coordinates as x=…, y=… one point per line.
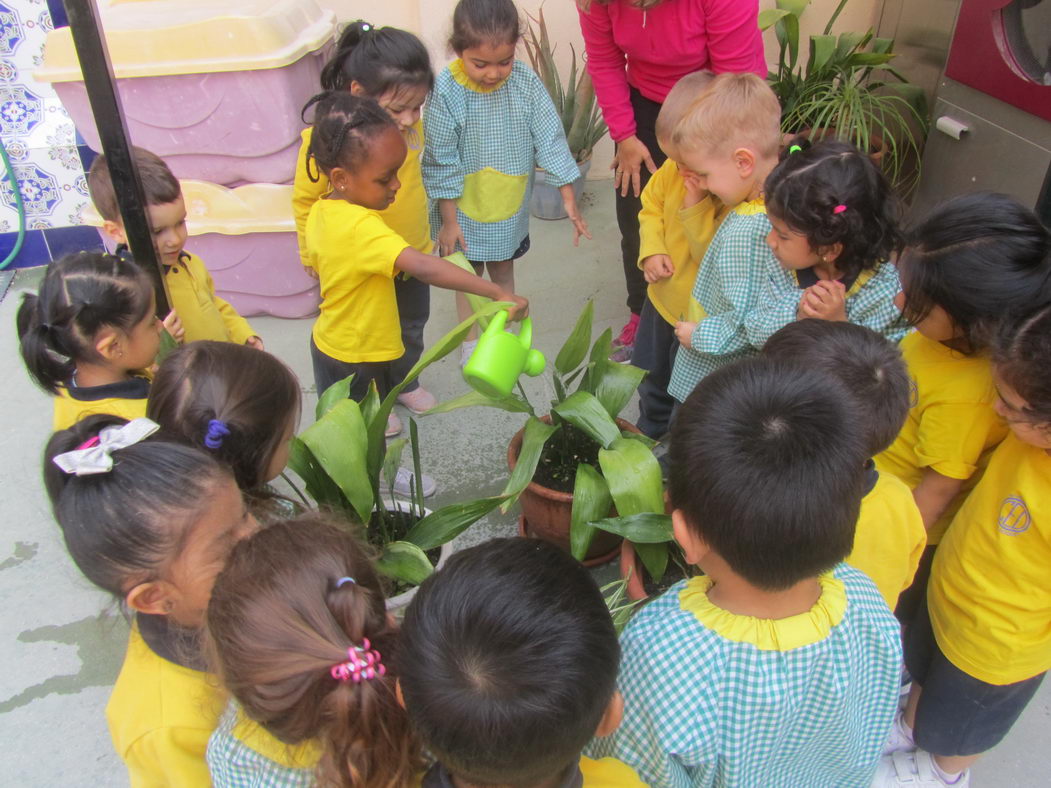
x=914, y=393
x=1014, y=516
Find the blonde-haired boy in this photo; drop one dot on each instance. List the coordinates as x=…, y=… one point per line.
x=729, y=140
x=676, y=224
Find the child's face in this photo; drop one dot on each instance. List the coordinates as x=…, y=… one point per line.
x=725, y=176
x=792, y=250
x=373, y=183
x=489, y=63
x=403, y=104
x=168, y=225
x=140, y=345
x=280, y=458
x=1014, y=410
x=224, y=522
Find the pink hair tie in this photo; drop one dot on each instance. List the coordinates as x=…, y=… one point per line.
x=363, y=664
x=839, y=209
x=88, y=443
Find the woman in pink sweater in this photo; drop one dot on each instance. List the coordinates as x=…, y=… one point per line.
x=636, y=51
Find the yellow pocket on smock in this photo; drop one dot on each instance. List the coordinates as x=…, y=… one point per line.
x=492, y=196
x=695, y=312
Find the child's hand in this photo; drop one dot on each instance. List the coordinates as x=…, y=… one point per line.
x=657, y=267
x=683, y=331
x=521, y=305
x=173, y=326
x=449, y=236
x=825, y=301
x=580, y=227
x=311, y=272
x=695, y=192
x=255, y=342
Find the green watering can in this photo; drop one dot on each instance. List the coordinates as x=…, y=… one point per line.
x=500, y=357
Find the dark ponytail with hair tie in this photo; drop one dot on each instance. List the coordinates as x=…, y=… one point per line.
x=379, y=59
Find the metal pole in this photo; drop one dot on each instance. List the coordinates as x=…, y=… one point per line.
x=106, y=107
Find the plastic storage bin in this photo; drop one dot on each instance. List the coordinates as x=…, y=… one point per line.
x=214, y=88
x=247, y=239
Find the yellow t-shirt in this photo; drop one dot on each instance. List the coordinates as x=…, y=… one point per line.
x=890, y=537
x=665, y=227
x=203, y=314
x=407, y=215
x=160, y=716
x=608, y=773
x=126, y=399
x=951, y=428
x=989, y=595
x=354, y=252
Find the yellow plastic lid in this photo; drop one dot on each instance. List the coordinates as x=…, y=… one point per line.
x=152, y=38
x=210, y=208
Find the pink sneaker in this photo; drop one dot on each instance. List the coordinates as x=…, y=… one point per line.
x=393, y=426
x=627, y=334
x=418, y=400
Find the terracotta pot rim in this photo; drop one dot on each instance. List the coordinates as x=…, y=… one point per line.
x=599, y=560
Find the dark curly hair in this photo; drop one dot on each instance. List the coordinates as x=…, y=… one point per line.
x=805, y=189
x=343, y=127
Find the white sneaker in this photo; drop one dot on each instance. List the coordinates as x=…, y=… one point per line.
x=403, y=483
x=393, y=426
x=466, y=349
x=418, y=401
x=898, y=740
x=913, y=770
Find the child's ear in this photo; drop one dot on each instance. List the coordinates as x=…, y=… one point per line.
x=108, y=344
x=154, y=597
x=115, y=231
x=356, y=89
x=744, y=161
x=830, y=253
x=338, y=178
x=612, y=716
x=694, y=548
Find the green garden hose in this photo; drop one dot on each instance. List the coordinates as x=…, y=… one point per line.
x=18, y=205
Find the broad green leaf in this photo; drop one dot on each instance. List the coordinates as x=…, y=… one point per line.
x=614, y=384
x=405, y=562
x=533, y=440
x=850, y=42
x=599, y=352
x=770, y=16
x=447, y=523
x=477, y=302
x=320, y=487
x=576, y=346
x=794, y=7
x=882, y=45
x=645, y=440
x=168, y=344
x=333, y=394
x=791, y=26
x=634, y=477
x=654, y=558
x=822, y=48
x=645, y=528
x=370, y=405
x=585, y=412
x=339, y=443
x=512, y=403
x=868, y=59
x=591, y=501
x=392, y=460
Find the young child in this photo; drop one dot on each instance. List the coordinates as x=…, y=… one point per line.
x=490, y=123
x=676, y=223
x=302, y=640
x=508, y=665
x=729, y=139
x=359, y=148
x=89, y=334
x=779, y=666
x=203, y=314
x=833, y=219
x=890, y=536
x=152, y=523
x=392, y=67
x=980, y=646
x=972, y=261
x=237, y=404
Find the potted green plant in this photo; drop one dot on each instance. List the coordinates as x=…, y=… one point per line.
x=576, y=106
x=347, y=467
x=847, y=89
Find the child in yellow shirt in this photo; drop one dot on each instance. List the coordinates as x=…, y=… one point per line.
x=676, y=222
x=889, y=538
x=191, y=291
x=980, y=645
x=152, y=523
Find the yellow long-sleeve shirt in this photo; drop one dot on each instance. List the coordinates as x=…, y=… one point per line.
x=665, y=227
x=204, y=315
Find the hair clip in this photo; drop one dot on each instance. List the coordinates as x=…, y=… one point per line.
x=217, y=430
x=839, y=209
x=363, y=664
x=365, y=27
x=95, y=455
x=794, y=149
x=344, y=580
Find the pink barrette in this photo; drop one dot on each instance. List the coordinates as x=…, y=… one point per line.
x=363, y=664
x=839, y=209
x=88, y=443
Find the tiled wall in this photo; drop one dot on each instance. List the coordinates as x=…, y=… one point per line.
x=48, y=156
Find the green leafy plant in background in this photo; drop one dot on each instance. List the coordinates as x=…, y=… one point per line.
x=574, y=101
x=847, y=87
x=620, y=607
x=347, y=465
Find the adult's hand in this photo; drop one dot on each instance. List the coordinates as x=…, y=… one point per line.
x=631, y=154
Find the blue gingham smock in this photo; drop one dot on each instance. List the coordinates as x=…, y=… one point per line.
x=482, y=148
x=716, y=699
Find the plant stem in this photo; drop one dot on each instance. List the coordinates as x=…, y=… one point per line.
x=296, y=489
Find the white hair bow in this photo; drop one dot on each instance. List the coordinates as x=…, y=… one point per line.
x=96, y=455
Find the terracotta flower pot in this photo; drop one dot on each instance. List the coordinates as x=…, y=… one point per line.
x=548, y=512
x=525, y=531
x=631, y=569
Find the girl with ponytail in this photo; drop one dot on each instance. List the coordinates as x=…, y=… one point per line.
x=299, y=635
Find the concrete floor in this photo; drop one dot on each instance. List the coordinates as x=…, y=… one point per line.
x=61, y=642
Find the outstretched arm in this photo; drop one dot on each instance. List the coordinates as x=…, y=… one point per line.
x=441, y=273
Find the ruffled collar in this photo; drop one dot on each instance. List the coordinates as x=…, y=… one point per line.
x=460, y=75
x=783, y=634
x=304, y=755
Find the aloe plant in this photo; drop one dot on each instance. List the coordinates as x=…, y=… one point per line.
x=846, y=84
x=575, y=101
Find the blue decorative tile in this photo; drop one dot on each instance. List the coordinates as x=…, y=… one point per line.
x=64, y=240
x=34, y=249
x=11, y=34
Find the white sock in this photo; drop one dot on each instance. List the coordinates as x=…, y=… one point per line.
x=946, y=777
x=904, y=729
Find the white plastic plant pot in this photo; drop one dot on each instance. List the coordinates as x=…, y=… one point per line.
x=397, y=603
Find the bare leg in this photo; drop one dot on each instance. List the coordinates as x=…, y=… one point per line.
x=503, y=274
x=911, y=704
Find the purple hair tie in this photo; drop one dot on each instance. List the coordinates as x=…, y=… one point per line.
x=217, y=430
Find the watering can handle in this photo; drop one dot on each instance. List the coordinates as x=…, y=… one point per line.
x=496, y=325
x=525, y=333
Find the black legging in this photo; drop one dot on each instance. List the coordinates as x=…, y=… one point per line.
x=628, y=207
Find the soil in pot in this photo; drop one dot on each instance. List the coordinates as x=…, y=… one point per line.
x=399, y=524
x=557, y=468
